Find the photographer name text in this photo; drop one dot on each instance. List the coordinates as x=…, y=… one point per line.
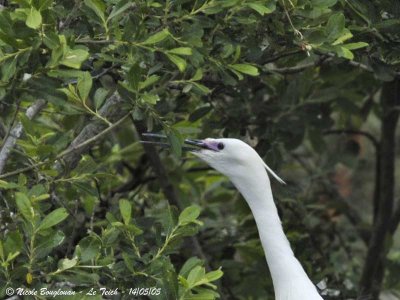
x=137, y=291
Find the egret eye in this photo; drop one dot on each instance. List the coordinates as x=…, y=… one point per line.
x=220, y=146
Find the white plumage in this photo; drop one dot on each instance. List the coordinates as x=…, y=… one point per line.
x=247, y=171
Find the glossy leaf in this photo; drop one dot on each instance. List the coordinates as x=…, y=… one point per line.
x=24, y=205
x=189, y=215
x=34, y=18
x=56, y=216
x=157, y=37
x=245, y=69
x=125, y=209
x=84, y=85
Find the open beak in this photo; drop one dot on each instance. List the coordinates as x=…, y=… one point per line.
x=162, y=141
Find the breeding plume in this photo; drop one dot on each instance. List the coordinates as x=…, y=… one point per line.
x=248, y=173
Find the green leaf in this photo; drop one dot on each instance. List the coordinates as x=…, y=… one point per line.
x=189, y=215
x=56, y=216
x=149, y=81
x=133, y=77
x=178, y=61
x=22, y=180
x=1, y=251
x=97, y=6
x=335, y=26
x=183, y=281
x=157, y=37
x=73, y=58
x=344, y=52
x=261, y=9
x=89, y=248
x=228, y=3
x=189, y=265
x=128, y=262
x=24, y=205
x=175, y=139
x=214, y=275
x=238, y=74
x=345, y=35
x=13, y=242
x=84, y=85
x=70, y=93
x=65, y=74
x=323, y=3
x=202, y=88
x=12, y=255
x=117, y=10
x=34, y=19
x=8, y=69
x=125, y=209
x=8, y=185
x=238, y=51
x=40, y=197
x=181, y=51
x=199, y=113
x=45, y=4
x=150, y=98
x=134, y=229
x=198, y=75
x=50, y=241
x=65, y=264
x=99, y=96
x=196, y=276
x=187, y=88
x=354, y=46
x=51, y=40
x=245, y=69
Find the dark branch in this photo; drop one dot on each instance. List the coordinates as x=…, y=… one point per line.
x=374, y=268
x=281, y=55
x=299, y=68
x=394, y=223
x=113, y=111
x=73, y=153
x=16, y=131
x=368, y=135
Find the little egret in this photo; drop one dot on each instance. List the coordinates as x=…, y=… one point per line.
x=248, y=172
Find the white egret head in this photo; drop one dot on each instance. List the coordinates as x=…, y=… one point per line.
x=228, y=156
x=231, y=157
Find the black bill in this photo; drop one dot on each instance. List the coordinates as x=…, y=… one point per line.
x=162, y=141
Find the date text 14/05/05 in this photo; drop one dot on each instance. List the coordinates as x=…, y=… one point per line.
x=137, y=291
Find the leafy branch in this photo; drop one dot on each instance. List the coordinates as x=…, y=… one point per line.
x=73, y=149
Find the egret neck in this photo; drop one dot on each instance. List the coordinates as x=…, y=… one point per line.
x=288, y=276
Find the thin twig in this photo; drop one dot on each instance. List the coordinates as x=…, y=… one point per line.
x=281, y=55
x=69, y=150
x=300, y=68
x=3, y=130
x=352, y=63
x=71, y=15
x=296, y=32
x=11, y=125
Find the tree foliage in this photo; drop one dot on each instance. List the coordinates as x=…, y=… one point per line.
x=85, y=205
